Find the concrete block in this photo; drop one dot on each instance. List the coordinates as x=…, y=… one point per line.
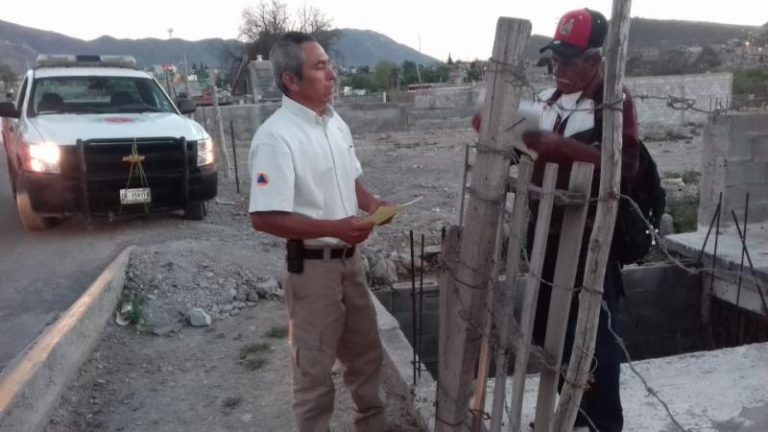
x=714, y=165
x=746, y=172
x=738, y=149
x=760, y=146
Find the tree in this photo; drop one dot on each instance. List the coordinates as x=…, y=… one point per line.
x=707, y=59
x=384, y=75
x=264, y=23
x=450, y=60
x=262, y=26
x=410, y=74
x=473, y=73
x=360, y=80
x=8, y=76
x=435, y=74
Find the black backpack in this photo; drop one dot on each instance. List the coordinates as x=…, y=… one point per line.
x=633, y=237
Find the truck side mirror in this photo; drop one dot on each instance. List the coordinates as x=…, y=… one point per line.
x=8, y=109
x=186, y=106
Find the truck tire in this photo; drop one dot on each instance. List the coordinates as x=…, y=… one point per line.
x=195, y=211
x=27, y=216
x=11, y=175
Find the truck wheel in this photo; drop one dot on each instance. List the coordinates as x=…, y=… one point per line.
x=11, y=175
x=195, y=211
x=29, y=219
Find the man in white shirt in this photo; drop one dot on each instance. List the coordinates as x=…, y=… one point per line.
x=305, y=188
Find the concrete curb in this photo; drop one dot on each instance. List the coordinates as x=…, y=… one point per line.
x=31, y=389
x=398, y=369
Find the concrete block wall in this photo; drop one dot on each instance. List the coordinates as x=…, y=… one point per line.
x=262, y=81
x=402, y=305
x=447, y=97
x=452, y=108
x=660, y=314
x=705, y=89
x=661, y=311
x=734, y=162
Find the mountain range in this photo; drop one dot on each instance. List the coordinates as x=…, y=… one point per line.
x=19, y=45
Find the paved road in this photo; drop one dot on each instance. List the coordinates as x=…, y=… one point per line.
x=43, y=273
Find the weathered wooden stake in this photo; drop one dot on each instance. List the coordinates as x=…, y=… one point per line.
x=219, y=142
x=489, y=181
x=518, y=228
x=478, y=400
x=450, y=259
x=590, y=298
x=568, y=252
x=531, y=293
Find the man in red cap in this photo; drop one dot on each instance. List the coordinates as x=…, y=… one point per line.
x=571, y=130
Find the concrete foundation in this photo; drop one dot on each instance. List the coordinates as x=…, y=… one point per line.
x=734, y=164
x=660, y=313
x=715, y=391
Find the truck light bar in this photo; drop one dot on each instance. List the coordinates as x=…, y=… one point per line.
x=71, y=60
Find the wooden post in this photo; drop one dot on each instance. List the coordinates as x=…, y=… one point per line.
x=478, y=401
x=219, y=125
x=568, y=251
x=591, y=297
x=489, y=181
x=450, y=259
x=518, y=228
x=531, y=293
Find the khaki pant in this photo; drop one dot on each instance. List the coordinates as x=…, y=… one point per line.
x=332, y=316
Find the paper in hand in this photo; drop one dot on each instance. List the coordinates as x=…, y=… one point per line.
x=384, y=213
x=530, y=116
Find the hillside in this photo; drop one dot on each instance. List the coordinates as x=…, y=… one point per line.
x=668, y=34
x=650, y=33
x=365, y=47
x=20, y=45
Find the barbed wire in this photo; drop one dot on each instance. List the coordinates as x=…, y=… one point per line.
x=516, y=77
x=680, y=103
x=540, y=358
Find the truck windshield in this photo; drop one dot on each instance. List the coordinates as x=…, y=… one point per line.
x=97, y=95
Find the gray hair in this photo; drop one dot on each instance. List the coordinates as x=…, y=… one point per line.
x=286, y=56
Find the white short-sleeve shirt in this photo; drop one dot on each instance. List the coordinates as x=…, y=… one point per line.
x=304, y=163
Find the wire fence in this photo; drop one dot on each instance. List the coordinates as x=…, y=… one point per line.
x=518, y=79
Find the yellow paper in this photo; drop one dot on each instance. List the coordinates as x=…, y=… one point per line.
x=385, y=213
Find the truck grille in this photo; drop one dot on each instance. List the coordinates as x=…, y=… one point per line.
x=167, y=172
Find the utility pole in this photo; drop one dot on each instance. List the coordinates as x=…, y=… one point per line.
x=186, y=77
x=418, y=69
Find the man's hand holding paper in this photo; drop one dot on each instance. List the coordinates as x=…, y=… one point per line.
x=386, y=212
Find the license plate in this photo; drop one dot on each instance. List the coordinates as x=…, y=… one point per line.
x=135, y=196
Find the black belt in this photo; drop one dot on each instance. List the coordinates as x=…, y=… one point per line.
x=335, y=253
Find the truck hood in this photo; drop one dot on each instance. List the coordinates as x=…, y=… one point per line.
x=66, y=129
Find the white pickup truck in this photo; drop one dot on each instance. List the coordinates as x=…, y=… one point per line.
x=93, y=135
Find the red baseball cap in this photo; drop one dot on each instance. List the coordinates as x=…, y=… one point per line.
x=578, y=31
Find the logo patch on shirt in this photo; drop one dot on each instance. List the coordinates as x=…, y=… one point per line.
x=262, y=179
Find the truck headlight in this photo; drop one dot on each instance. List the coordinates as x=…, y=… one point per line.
x=205, y=152
x=44, y=157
